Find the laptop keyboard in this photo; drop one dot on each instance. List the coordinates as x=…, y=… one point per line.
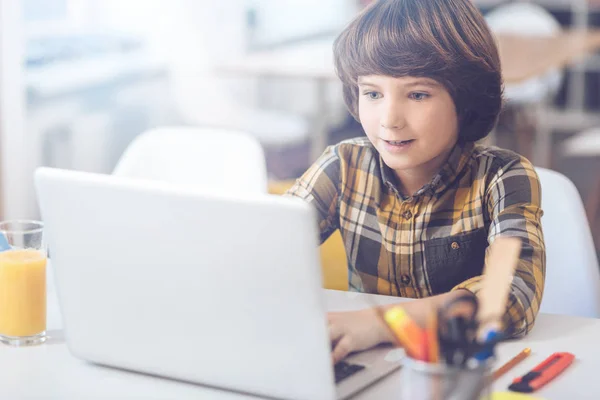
x=343, y=370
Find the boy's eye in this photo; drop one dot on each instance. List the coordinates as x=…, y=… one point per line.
x=418, y=96
x=373, y=95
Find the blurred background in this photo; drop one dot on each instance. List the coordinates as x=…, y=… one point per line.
x=80, y=79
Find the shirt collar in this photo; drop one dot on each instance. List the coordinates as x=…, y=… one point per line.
x=458, y=158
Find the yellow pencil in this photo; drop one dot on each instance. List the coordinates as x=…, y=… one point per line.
x=511, y=363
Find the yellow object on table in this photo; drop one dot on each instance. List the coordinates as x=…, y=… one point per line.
x=333, y=254
x=22, y=292
x=513, y=396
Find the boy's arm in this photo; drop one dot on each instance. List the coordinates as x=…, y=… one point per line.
x=319, y=186
x=513, y=201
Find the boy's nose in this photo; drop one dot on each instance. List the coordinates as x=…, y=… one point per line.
x=390, y=126
x=391, y=116
x=392, y=120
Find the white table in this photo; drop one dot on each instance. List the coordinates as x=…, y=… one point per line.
x=50, y=372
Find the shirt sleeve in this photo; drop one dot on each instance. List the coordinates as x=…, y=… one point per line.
x=513, y=203
x=319, y=186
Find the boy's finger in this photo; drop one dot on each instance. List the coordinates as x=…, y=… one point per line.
x=332, y=316
x=342, y=349
x=335, y=333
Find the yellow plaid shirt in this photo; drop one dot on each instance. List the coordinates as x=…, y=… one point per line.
x=435, y=240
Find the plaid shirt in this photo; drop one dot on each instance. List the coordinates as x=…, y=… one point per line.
x=435, y=240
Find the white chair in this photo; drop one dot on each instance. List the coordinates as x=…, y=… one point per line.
x=587, y=145
x=527, y=19
x=572, y=273
x=208, y=158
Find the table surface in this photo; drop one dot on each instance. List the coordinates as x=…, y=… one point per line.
x=49, y=371
x=522, y=57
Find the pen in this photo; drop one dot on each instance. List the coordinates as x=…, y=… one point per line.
x=488, y=346
x=511, y=363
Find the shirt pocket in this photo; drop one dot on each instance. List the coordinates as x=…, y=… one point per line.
x=454, y=259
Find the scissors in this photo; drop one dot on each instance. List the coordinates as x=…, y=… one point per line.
x=457, y=329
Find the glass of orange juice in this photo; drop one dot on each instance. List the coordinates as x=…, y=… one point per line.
x=22, y=283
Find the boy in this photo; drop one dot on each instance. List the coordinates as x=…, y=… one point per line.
x=418, y=201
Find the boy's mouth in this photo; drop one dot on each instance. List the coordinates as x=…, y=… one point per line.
x=399, y=142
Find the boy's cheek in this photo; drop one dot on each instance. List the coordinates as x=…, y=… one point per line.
x=370, y=123
x=371, y=132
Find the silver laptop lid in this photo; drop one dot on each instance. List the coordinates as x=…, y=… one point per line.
x=208, y=288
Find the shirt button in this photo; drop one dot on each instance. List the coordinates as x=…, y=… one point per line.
x=405, y=279
x=455, y=246
x=407, y=214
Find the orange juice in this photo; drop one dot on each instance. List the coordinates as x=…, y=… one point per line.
x=22, y=292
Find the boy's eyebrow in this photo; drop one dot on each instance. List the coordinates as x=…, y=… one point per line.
x=425, y=82
x=365, y=82
x=417, y=82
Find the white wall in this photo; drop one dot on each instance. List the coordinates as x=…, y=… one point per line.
x=191, y=35
x=16, y=185
x=196, y=35
x=280, y=20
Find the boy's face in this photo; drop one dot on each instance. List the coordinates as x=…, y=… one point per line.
x=411, y=121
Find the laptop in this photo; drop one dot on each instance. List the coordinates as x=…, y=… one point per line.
x=216, y=289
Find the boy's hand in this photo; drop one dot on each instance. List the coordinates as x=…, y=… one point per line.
x=355, y=331
x=360, y=330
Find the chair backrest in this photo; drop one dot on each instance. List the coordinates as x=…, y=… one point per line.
x=572, y=272
x=210, y=158
x=527, y=19
x=523, y=19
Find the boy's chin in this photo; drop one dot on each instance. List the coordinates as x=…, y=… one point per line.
x=401, y=163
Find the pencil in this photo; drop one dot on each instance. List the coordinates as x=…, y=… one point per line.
x=409, y=334
x=511, y=363
x=433, y=351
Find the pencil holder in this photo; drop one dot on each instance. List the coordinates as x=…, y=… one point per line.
x=438, y=381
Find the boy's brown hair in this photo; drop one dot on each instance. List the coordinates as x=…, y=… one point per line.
x=445, y=40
